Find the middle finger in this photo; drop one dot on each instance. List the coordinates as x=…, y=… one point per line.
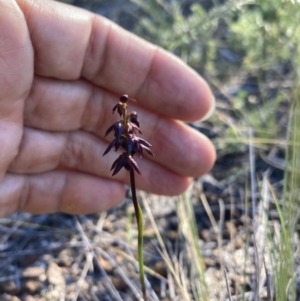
x=55, y=105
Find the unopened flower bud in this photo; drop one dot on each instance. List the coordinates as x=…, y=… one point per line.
x=134, y=118
x=124, y=98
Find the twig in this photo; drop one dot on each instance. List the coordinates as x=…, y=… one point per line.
x=87, y=266
x=135, y=291
x=227, y=285
x=114, y=293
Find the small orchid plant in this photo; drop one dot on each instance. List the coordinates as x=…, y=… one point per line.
x=125, y=132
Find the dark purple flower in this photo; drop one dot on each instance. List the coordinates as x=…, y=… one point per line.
x=124, y=161
x=116, y=143
x=133, y=129
x=109, y=147
x=147, y=149
x=137, y=145
x=134, y=119
x=117, y=127
x=119, y=108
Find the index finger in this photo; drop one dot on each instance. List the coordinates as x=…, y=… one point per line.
x=70, y=43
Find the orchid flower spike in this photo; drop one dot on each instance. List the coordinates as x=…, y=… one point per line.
x=125, y=131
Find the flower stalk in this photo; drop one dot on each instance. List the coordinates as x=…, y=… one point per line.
x=125, y=133
x=139, y=219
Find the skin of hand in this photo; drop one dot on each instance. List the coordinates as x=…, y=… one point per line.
x=62, y=69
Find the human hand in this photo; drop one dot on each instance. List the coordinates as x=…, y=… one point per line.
x=62, y=69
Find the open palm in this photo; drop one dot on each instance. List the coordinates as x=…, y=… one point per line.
x=62, y=70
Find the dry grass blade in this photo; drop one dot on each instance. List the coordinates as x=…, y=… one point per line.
x=215, y=226
x=134, y=261
x=165, y=254
x=88, y=263
x=190, y=233
x=254, y=212
x=86, y=268
x=262, y=227
x=270, y=289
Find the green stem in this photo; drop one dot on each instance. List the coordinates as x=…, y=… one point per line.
x=139, y=219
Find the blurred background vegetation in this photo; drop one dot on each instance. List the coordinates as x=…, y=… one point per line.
x=247, y=50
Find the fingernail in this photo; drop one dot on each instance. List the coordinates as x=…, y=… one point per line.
x=210, y=111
